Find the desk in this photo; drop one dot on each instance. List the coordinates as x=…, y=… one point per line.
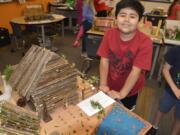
x=157, y=42
x=73, y=120
x=96, y=32
x=57, y=18
x=53, y=5
x=69, y=13
x=155, y=19
x=93, y=41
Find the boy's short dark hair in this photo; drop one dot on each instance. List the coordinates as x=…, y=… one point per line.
x=133, y=4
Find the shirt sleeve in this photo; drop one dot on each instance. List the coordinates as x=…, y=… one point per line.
x=103, y=50
x=143, y=58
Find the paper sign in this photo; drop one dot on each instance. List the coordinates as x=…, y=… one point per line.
x=100, y=97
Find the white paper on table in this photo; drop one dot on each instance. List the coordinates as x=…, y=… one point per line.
x=100, y=97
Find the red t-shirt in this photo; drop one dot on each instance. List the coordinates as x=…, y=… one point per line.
x=174, y=10
x=100, y=7
x=123, y=55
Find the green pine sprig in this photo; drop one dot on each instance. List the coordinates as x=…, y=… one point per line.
x=93, y=80
x=7, y=72
x=97, y=105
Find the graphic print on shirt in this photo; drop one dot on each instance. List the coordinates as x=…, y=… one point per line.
x=120, y=65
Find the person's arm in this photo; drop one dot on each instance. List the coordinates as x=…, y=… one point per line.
x=129, y=84
x=92, y=7
x=130, y=81
x=170, y=81
x=104, y=69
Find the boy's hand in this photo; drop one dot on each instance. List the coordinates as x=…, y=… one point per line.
x=114, y=94
x=104, y=88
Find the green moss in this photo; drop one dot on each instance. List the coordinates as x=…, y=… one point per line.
x=93, y=80
x=7, y=72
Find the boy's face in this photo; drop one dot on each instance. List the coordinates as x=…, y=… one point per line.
x=127, y=20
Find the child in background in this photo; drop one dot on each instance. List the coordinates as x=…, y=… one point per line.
x=79, y=8
x=174, y=10
x=171, y=72
x=88, y=14
x=171, y=95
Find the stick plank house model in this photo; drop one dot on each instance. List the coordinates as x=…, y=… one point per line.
x=49, y=82
x=44, y=77
x=15, y=120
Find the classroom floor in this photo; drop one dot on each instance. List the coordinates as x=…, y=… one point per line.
x=148, y=99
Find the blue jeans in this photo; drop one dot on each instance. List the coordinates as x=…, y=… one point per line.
x=87, y=26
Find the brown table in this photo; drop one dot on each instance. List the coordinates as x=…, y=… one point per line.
x=42, y=23
x=73, y=120
x=69, y=13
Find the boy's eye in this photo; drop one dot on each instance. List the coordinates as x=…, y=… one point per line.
x=132, y=16
x=122, y=15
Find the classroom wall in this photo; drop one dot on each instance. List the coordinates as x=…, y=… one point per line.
x=14, y=9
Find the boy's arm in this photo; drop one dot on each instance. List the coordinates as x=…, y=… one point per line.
x=104, y=68
x=129, y=84
x=170, y=81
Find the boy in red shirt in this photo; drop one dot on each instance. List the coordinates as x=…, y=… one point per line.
x=125, y=55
